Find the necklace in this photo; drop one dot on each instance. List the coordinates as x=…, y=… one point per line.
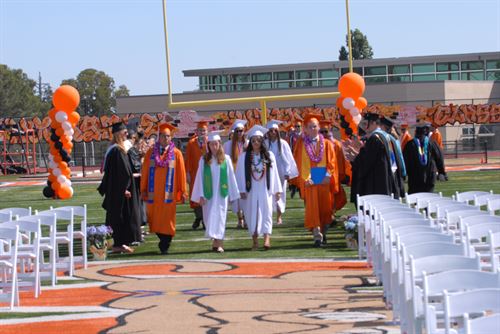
x=258, y=167
x=311, y=148
x=163, y=159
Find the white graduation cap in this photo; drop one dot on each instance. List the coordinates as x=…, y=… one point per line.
x=256, y=130
x=239, y=123
x=273, y=124
x=214, y=135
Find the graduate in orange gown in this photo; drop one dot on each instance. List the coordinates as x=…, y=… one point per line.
x=405, y=136
x=163, y=186
x=339, y=197
x=312, y=150
x=436, y=136
x=195, y=149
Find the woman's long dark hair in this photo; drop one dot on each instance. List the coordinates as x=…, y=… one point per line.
x=278, y=141
x=264, y=154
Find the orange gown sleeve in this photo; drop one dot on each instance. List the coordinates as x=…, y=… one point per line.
x=180, y=176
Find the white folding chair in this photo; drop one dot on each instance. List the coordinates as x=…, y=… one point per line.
x=81, y=232
x=17, y=211
x=467, y=302
x=483, y=325
x=63, y=237
x=493, y=205
x=429, y=265
x=48, y=224
x=473, y=221
x=413, y=198
x=28, y=254
x=9, y=239
x=494, y=243
x=453, y=217
x=468, y=196
x=483, y=199
x=423, y=203
x=452, y=281
x=5, y=217
x=475, y=234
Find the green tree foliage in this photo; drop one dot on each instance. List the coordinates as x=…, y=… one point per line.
x=122, y=91
x=17, y=95
x=97, y=92
x=361, y=49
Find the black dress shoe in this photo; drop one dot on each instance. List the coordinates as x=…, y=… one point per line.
x=323, y=242
x=196, y=223
x=293, y=190
x=317, y=243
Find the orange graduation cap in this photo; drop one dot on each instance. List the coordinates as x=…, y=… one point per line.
x=325, y=124
x=311, y=116
x=167, y=126
x=202, y=125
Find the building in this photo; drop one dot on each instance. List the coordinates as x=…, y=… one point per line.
x=423, y=80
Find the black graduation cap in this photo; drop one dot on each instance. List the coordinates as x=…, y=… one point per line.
x=387, y=121
x=369, y=116
x=117, y=127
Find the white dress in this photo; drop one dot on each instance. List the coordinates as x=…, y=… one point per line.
x=259, y=203
x=240, y=203
x=215, y=210
x=286, y=166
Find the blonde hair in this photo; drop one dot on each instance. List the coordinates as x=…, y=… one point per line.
x=220, y=155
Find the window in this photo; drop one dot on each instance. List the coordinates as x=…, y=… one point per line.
x=375, y=70
x=284, y=84
x=423, y=68
x=493, y=64
x=493, y=75
x=473, y=75
x=358, y=70
x=328, y=74
x=240, y=78
x=265, y=85
x=399, y=78
x=446, y=67
x=242, y=87
x=283, y=76
x=448, y=76
x=424, y=77
x=261, y=77
x=377, y=79
x=399, y=69
x=328, y=83
x=472, y=65
x=468, y=131
x=305, y=74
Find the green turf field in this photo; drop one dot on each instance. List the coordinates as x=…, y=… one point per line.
x=289, y=240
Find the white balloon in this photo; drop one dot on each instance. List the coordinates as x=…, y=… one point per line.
x=67, y=183
x=354, y=112
x=56, y=171
x=52, y=165
x=51, y=157
x=357, y=119
x=348, y=103
x=66, y=126
x=71, y=191
x=71, y=133
x=61, y=179
x=70, y=138
x=61, y=116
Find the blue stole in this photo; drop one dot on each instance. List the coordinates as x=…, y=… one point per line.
x=169, y=183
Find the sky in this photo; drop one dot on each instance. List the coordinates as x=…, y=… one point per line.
x=124, y=38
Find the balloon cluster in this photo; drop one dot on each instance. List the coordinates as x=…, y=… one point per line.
x=350, y=103
x=63, y=119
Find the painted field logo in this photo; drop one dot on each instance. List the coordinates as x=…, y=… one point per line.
x=346, y=316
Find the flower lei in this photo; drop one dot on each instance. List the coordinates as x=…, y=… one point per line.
x=310, y=149
x=168, y=154
x=255, y=167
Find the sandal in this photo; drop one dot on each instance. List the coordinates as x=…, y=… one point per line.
x=122, y=249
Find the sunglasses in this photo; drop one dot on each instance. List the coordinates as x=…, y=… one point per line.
x=238, y=130
x=323, y=131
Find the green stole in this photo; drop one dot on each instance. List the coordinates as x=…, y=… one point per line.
x=207, y=180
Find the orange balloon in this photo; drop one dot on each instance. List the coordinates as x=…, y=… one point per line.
x=65, y=192
x=66, y=98
x=62, y=165
x=55, y=186
x=351, y=85
x=60, y=132
x=361, y=103
x=339, y=102
x=54, y=124
x=52, y=178
x=68, y=145
x=52, y=114
x=73, y=118
x=66, y=172
x=57, y=158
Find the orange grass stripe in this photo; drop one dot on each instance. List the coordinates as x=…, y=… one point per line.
x=86, y=326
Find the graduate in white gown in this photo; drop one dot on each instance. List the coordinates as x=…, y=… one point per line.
x=259, y=183
x=234, y=148
x=287, y=168
x=215, y=185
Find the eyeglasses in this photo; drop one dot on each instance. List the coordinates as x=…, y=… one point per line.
x=238, y=130
x=256, y=140
x=323, y=131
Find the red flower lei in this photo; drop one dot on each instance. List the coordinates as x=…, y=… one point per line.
x=255, y=169
x=310, y=149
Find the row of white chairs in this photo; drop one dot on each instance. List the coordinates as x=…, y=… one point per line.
x=39, y=239
x=401, y=244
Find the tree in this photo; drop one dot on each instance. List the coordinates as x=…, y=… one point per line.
x=17, y=95
x=361, y=49
x=97, y=92
x=122, y=91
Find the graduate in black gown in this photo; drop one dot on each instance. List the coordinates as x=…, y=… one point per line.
x=119, y=190
x=387, y=124
x=371, y=162
x=424, y=160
